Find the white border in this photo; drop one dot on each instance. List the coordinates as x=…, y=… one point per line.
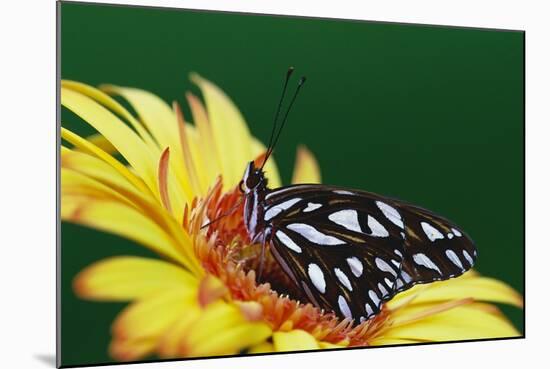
x=27, y=203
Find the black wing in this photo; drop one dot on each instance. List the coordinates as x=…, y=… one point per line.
x=349, y=251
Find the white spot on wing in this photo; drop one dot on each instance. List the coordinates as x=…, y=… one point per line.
x=343, y=192
x=368, y=309
x=347, y=219
x=374, y=297
x=399, y=283
x=450, y=236
x=432, y=233
x=391, y=213
x=405, y=276
x=388, y=283
x=287, y=241
x=277, y=209
x=312, y=206
x=356, y=266
x=377, y=229
x=284, y=189
x=382, y=290
x=317, y=277
x=343, y=278
x=385, y=267
x=423, y=260
x=344, y=308
x=454, y=258
x=456, y=232
x=397, y=252
x=313, y=235
x=468, y=257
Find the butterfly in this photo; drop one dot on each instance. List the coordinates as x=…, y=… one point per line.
x=349, y=251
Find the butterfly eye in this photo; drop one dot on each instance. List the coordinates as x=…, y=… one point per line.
x=253, y=180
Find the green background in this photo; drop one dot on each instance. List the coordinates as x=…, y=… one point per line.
x=432, y=115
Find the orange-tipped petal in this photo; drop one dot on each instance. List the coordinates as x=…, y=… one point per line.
x=251, y=310
x=163, y=178
x=210, y=290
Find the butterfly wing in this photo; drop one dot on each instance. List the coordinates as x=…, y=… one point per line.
x=349, y=251
x=435, y=248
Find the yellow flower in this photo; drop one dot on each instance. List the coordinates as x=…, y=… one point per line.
x=200, y=297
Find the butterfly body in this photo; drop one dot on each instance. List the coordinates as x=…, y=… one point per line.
x=349, y=250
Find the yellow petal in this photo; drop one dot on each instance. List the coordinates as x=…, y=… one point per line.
x=114, y=106
x=124, y=278
x=261, y=348
x=420, y=312
x=232, y=340
x=478, y=288
x=328, y=345
x=163, y=179
x=195, y=176
x=153, y=316
x=160, y=120
x=122, y=220
x=385, y=341
x=306, y=169
x=205, y=146
x=221, y=330
x=102, y=143
x=77, y=191
x=91, y=149
x=295, y=340
x=229, y=129
x=216, y=317
x=131, y=350
x=169, y=344
x=95, y=168
x=461, y=323
x=127, y=142
x=74, y=183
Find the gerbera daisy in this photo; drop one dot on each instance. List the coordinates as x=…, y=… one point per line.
x=157, y=179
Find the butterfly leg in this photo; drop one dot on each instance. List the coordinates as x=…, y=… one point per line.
x=263, y=237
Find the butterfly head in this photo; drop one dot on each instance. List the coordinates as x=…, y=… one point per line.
x=253, y=179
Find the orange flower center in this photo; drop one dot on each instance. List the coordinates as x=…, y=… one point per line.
x=224, y=249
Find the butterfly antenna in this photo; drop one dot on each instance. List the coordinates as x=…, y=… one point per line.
x=288, y=74
x=223, y=215
x=300, y=84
